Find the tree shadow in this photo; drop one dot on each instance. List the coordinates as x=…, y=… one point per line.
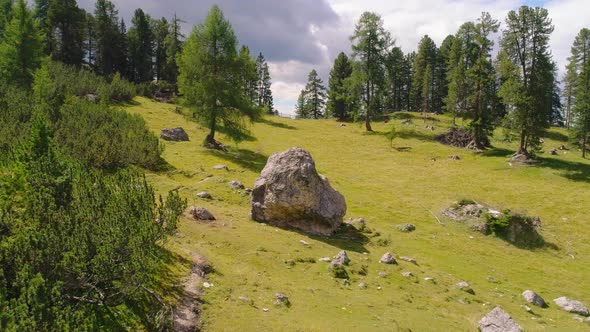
x=497, y=152
x=556, y=136
x=277, y=124
x=408, y=134
x=251, y=160
x=346, y=238
x=571, y=170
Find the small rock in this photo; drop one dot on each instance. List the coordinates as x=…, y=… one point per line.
x=282, y=299
x=236, y=185
x=553, y=152
x=325, y=259
x=362, y=285
x=248, y=190
x=409, y=260
x=245, y=299
x=305, y=243
x=578, y=318
x=290, y=262
x=204, y=195
x=207, y=285
x=563, y=148
x=342, y=125
x=534, y=298
x=455, y=158
x=265, y=309
x=221, y=167
x=406, y=228
x=200, y=213
x=174, y=134
x=573, y=306
x=382, y=274
x=346, y=282
x=407, y=274
x=464, y=286
x=92, y=98
x=429, y=279
x=527, y=308
x=498, y=320
x=387, y=258
x=341, y=259
x=379, y=288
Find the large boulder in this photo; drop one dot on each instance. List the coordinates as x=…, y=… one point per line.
x=174, y=134
x=498, y=320
x=572, y=306
x=290, y=193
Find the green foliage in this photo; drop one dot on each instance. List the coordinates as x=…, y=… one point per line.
x=141, y=40
x=579, y=69
x=314, y=97
x=120, y=89
x=65, y=31
x=497, y=224
x=75, y=242
x=20, y=48
x=337, y=105
x=391, y=135
x=263, y=92
x=339, y=272
x=15, y=123
x=422, y=81
x=211, y=82
x=105, y=138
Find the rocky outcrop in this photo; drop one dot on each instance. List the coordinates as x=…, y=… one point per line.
x=498, y=320
x=200, y=213
x=573, y=306
x=291, y=194
x=174, y=134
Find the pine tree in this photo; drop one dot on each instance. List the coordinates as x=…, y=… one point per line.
x=141, y=47
x=395, y=81
x=21, y=49
x=161, y=29
x=6, y=8
x=120, y=52
x=528, y=74
x=90, y=41
x=337, y=105
x=173, y=46
x=580, y=64
x=66, y=31
x=263, y=90
x=249, y=74
x=210, y=79
x=41, y=12
x=426, y=93
x=301, y=106
x=426, y=57
x=569, y=81
x=407, y=78
x=108, y=36
x=371, y=43
x=315, y=92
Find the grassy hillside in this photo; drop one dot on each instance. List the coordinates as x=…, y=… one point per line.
x=387, y=187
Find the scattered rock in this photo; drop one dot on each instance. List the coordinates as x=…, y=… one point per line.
x=464, y=286
x=527, y=308
x=236, y=185
x=409, y=260
x=407, y=274
x=498, y=320
x=362, y=285
x=248, y=191
x=282, y=299
x=325, y=259
x=245, y=299
x=290, y=193
x=573, y=306
x=265, y=309
x=305, y=243
x=92, y=98
x=200, y=213
x=455, y=158
x=429, y=279
x=387, y=258
x=204, y=195
x=521, y=159
x=340, y=259
x=563, y=148
x=221, y=167
x=430, y=128
x=358, y=223
x=174, y=134
x=382, y=274
x=290, y=262
x=342, y=125
x=207, y=285
x=534, y=298
x=346, y=282
x=406, y=228
x=553, y=152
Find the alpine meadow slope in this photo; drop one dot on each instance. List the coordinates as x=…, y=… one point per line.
x=410, y=182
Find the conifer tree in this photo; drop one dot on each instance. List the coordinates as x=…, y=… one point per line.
x=315, y=93
x=211, y=82
x=263, y=90
x=161, y=29
x=173, y=46
x=141, y=47
x=425, y=58
x=21, y=48
x=337, y=104
x=66, y=31
x=108, y=36
x=395, y=79
x=301, y=106
x=580, y=65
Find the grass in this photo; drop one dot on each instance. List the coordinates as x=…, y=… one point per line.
x=387, y=186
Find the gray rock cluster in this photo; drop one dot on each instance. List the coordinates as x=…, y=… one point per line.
x=174, y=134
x=498, y=320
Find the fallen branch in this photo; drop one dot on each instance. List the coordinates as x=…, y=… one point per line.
x=434, y=215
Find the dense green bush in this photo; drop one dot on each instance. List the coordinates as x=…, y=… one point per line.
x=15, y=117
x=75, y=242
x=105, y=138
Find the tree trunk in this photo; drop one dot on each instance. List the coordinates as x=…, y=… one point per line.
x=521, y=147
x=584, y=141
x=368, y=121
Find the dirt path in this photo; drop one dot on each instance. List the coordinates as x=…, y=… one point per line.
x=186, y=316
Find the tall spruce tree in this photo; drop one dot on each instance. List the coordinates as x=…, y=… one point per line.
x=263, y=90
x=315, y=92
x=141, y=47
x=249, y=74
x=569, y=82
x=21, y=49
x=426, y=57
x=301, y=106
x=580, y=64
x=395, y=79
x=337, y=104
x=173, y=46
x=161, y=29
x=90, y=41
x=210, y=79
x=528, y=74
x=66, y=31
x=108, y=36
x=371, y=43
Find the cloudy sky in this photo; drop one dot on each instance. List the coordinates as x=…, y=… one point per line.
x=299, y=35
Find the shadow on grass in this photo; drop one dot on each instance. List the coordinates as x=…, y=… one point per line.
x=346, y=238
x=277, y=124
x=497, y=152
x=556, y=136
x=248, y=159
x=408, y=134
x=571, y=170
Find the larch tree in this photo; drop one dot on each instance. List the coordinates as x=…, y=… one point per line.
x=210, y=79
x=141, y=47
x=337, y=105
x=528, y=74
x=371, y=43
x=315, y=92
x=21, y=49
x=580, y=63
